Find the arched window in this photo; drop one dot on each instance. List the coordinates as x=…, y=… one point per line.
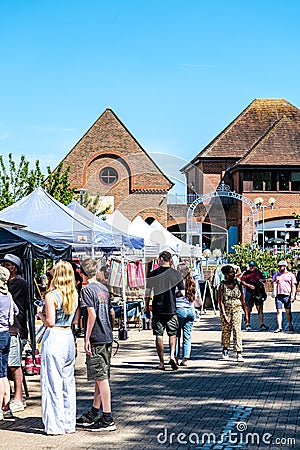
x=108, y=176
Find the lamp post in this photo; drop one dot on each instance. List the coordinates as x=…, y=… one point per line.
x=259, y=205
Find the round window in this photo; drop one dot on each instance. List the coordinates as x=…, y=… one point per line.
x=108, y=175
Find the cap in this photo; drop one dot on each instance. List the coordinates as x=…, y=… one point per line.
x=4, y=276
x=252, y=263
x=89, y=267
x=282, y=263
x=13, y=259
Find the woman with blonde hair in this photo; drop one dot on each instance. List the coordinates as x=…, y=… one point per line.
x=58, y=352
x=185, y=311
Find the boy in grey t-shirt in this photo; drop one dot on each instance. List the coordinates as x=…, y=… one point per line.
x=99, y=318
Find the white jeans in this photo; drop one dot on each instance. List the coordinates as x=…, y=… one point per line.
x=58, y=381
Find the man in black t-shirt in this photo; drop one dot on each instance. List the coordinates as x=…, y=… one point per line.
x=164, y=282
x=99, y=318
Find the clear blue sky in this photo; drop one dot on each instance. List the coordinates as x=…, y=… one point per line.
x=176, y=72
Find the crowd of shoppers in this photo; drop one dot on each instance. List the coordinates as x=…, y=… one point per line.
x=170, y=297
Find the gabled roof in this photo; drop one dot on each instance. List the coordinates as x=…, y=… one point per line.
x=109, y=136
x=248, y=128
x=279, y=146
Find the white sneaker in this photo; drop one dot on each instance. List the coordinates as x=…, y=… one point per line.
x=16, y=406
x=225, y=354
x=1, y=416
x=239, y=357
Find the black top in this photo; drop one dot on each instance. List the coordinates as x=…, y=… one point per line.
x=19, y=290
x=164, y=281
x=96, y=295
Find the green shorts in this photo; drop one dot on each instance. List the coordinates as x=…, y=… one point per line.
x=166, y=322
x=98, y=363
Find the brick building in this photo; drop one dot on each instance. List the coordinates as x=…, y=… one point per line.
x=256, y=156
x=109, y=161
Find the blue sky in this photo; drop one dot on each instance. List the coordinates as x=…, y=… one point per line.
x=175, y=72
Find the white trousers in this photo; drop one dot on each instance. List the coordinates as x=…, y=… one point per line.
x=58, y=381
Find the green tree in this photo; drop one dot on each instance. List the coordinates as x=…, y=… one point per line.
x=57, y=184
x=92, y=204
x=266, y=262
x=18, y=180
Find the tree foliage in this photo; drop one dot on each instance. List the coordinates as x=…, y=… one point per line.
x=57, y=184
x=92, y=204
x=266, y=262
x=18, y=180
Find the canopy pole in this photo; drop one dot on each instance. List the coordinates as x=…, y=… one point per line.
x=123, y=288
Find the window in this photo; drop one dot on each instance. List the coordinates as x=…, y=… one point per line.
x=284, y=181
x=295, y=181
x=108, y=176
x=270, y=181
x=258, y=179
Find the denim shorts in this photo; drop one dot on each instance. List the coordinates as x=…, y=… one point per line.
x=283, y=300
x=165, y=322
x=98, y=363
x=4, y=350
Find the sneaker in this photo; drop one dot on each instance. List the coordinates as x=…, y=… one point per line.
x=16, y=406
x=239, y=357
x=103, y=425
x=86, y=420
x=225, y=354
x=291, y=328
x=1, y=416
x=279, y=330
x=264, y=327
x=8, y=415
x=248, y=328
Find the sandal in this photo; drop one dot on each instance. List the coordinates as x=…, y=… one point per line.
x=173, y=364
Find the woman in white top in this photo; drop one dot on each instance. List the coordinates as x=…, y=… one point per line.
x=58, y=352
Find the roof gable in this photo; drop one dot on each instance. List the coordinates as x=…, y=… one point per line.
x=248, y=128
x=109, y=136
x=280, y=145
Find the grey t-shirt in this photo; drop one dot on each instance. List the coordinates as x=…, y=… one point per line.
x=96, y=295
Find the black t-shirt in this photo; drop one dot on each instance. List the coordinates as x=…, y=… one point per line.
x=164, y=281
x=19, y=290
x=96, y=295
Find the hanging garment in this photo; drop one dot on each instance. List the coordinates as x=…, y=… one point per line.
x=140, y=274
x=132, y=273
x=115, y=276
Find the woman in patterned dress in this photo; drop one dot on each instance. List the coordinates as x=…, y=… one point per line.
x=232, y=303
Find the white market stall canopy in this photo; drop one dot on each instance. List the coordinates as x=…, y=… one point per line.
x=41, y=213
x=156, y=237
x=168, y=241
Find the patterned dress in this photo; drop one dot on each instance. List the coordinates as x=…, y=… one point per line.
x=233, y=309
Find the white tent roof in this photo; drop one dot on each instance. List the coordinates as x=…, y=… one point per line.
x=139, y=227
x=42, y=214
x=168, y=241
x=119, y=221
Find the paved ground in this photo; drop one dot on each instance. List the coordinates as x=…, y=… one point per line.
x=212, y=404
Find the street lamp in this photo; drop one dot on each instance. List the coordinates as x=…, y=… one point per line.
x=259, y=205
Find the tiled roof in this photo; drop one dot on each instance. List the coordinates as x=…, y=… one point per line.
x=248, y=128
x=279, y=146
